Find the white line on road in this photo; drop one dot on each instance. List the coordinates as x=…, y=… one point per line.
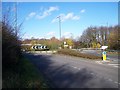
x=74, y=67
x=110, y=79
x=115, y=66
x=99, y=62
x=92, y=73
x=115, y=82
x=79, y=68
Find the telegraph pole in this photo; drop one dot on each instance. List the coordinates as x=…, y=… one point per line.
x=16, y=18
x=106, y=33
x=59, y=25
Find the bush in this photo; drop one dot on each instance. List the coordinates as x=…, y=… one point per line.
x=78, y=54
x=11, y=50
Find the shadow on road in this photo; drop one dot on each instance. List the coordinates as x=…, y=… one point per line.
x=63, y=76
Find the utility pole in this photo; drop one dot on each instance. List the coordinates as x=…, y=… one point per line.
x=16, y=18
x=59, y=25
x=106, y=32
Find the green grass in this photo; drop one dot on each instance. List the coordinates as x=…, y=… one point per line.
x=77, y=54
x=25, y=75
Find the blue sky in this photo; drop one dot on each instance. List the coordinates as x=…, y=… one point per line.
x=40, y=17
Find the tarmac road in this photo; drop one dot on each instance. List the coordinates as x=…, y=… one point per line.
x=74, y=72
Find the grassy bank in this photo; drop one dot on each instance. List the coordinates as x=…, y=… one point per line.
x=24, y=75
x=77, y=54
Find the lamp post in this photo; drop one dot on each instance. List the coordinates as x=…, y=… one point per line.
x=59, y=29
x=59, y=25
x=106, y=33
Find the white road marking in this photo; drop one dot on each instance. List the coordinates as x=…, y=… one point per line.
x=115, y=66
x=110, y=79
x=99, y=62
x=74, y=67
x=92, y=73
x=115, y=82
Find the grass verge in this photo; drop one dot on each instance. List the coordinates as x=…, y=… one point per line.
x=77, y=54
x=24, y=75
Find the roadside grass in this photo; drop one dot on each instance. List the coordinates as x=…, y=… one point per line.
x=77, y=54
x=24, y=75
x=113, y=52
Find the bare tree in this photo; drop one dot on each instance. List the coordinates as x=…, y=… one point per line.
x=10, y=40
x=99, y=35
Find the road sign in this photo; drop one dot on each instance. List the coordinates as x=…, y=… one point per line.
x=104, y=47
x=65, y=43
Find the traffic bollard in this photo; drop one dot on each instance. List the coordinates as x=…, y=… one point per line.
x=104, y=56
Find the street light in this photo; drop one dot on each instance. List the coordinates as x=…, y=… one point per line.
x=59, y=25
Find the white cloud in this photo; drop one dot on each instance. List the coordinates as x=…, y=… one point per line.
x=32, y=14
x=53, y=9
x=43, y=14
x=76, y=18
x=51, y=33
x=54, y=20
x=69, y=16
x=47, y=12
x=82, y=11
x=67, y=34
x=27, y=36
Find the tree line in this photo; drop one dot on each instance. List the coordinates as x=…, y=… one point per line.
x=95, y=37
x=92, y=37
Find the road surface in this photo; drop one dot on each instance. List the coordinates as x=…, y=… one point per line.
x=74, y=72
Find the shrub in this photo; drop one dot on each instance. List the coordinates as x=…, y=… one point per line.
x=11, y=50
x=78, y=54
